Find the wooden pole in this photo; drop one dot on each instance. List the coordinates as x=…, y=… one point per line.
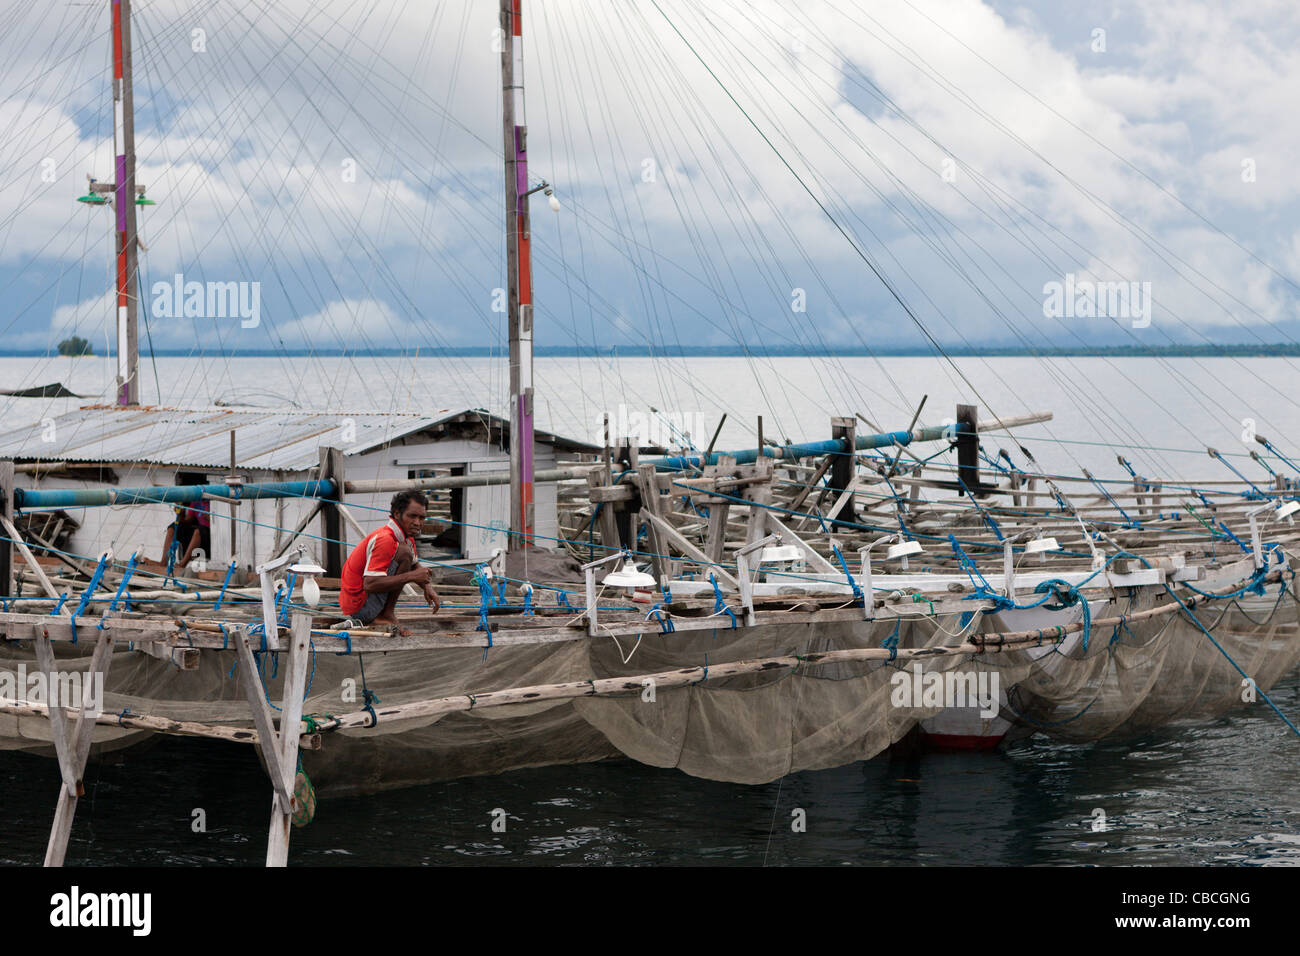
x=7, y=512
x=968, y=444
x=279, y=747
x=16, y=541
x=335, y=543
x=71, y=743
x=519, y=282
x=162, y=725
x=127, y=297
x=842, y=466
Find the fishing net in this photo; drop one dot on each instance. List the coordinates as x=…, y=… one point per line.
x=749, y=728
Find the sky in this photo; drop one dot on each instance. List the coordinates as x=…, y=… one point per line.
x=824, y=174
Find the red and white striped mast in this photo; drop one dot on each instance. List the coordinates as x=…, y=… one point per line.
x=128, y=351
x=519, y=281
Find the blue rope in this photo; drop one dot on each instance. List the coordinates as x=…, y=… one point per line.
x=1241, y=544
x=891, y=642
x=486, y=600
x=224, y=585
x=983, y=590
x=666, y=624
x=282, y=605
x=1201, y=627
x=87, y=594
x=1254, y=492
x=1270, y=447
x=688, y=500
x=368, y=697
x=857, y=591
x=1132, y=522
x=706, y=669
x=719, y=605
x=171, y=558
x=1256, y=584
x=121, y=588
x=260, y=630
x=1228, y=657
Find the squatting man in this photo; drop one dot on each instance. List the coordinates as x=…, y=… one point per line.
x=383, y=563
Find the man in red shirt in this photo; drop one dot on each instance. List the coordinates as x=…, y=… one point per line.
x=384, y=563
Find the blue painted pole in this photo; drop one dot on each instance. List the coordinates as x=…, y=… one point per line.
x=29, y=498
x=813, y=449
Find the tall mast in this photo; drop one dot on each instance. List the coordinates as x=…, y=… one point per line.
x=519, y=281
x=128, y=350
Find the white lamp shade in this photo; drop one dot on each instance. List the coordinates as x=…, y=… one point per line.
x=785, y=552
x=1041, y=545
x=903, y=549
x=629, y=577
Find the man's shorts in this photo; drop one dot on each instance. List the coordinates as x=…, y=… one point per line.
x=374, y=602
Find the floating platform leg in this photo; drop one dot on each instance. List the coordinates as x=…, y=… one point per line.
x=71, y=743
x=279, y=749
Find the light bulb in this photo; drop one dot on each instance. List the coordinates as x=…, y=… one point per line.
x=311, y=592
x=553, y=203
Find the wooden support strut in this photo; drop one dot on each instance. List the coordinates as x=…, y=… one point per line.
x=842, y=465
x=71, y=743
x=7, y=512
x=652, y=509
x=600, y=478
x=335, y=543
x=668, y=535
x=279, y=747
x=16, y=540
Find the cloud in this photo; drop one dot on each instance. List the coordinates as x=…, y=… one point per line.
x=346, y=323
x=351, y=165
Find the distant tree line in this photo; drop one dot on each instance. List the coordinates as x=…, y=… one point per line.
x=75, y=345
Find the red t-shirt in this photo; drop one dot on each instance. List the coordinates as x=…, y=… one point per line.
x=371, y=558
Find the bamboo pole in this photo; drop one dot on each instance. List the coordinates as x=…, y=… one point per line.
x=162, y=725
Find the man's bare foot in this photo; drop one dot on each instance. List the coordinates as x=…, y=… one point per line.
x=391, y=622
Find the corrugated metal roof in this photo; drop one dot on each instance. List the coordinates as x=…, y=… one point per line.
x=201, y=437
